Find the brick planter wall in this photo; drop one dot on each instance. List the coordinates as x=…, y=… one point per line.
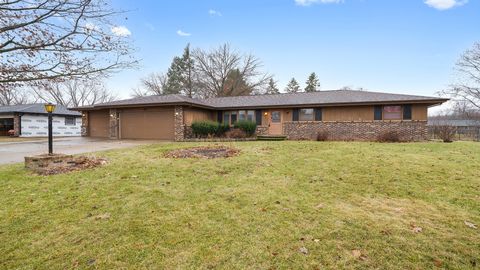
x=356, y=131
x=261, y=130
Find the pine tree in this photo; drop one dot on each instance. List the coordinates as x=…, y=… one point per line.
x=313, y=83
x=272, y=87
x=180, y=75
x=292, y=86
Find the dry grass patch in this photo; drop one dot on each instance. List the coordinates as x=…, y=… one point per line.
x=203, y=152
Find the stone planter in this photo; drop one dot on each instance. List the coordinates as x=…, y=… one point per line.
x=40, y=163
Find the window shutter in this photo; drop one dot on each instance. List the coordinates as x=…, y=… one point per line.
x=258, y=117
x=378, y=113
x=407, y=112
x=219, y=116
x=318, y=114
x=295, y=115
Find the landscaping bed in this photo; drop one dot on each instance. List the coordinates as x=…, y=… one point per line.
x=203, y=152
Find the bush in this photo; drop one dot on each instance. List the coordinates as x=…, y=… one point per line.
x=236, y=133
x=222, y=129
x=322, y=136
x=209, y=128
x=389, y=136
x=248, y=127
x=445, y=132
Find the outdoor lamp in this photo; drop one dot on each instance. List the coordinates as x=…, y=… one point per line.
x=49, y=107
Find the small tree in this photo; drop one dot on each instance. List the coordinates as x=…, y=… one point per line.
x=292, y=86
x=313, y=83
x=272, y=87
x=445, y=132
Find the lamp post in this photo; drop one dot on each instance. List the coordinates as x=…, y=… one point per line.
x=49, y=107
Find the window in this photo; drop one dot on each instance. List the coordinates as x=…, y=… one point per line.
x=230, y=117
x=276, y=117
x=70, y=121
x=234, y=117
x=377, y=113
x=407, y=112
x=392, y=112
x=226, y=117
x=306, y=115
x=251, y=116
x=242, y=115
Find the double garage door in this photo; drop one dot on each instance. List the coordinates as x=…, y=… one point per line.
x=142, y=123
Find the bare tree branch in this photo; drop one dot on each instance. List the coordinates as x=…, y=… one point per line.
x=58, y=40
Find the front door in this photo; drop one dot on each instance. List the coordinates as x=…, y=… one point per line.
x=275, y=126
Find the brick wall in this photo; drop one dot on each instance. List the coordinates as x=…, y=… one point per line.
x=262, y=130
x=356, y=131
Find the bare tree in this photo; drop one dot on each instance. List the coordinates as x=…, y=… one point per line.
x=152, y=84
x=220, y=70
x=468, y=67
x=15, y=96
x=59, y=39
x=73, y=93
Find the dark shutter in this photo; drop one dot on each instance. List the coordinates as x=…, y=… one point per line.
x=258, y=117
x=407, y=112
x=219, y=116
x=378, y=113
x=318, y=114
x=296, y=113
x=233, y=118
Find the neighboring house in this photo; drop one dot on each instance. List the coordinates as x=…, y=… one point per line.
x=31, y=120
x=344, y=114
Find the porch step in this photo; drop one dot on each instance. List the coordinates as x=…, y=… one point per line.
x=271, y=138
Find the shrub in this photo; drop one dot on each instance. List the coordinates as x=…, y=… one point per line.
x=222, y=129
x=446, y=132
x=248, y=127
x=322, y=136
x=389, y=136
x=205, y=128
x=209, y=128
x=236, y=133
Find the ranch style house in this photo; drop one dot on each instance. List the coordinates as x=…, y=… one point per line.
x=343, y=114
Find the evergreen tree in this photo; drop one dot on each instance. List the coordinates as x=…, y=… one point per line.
x=292, y=86
x=272, y=87
x=235, y=85
x=180, y=75
x=313, y=83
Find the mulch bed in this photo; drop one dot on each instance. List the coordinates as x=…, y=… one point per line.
x=76, y=164
x=203, y=152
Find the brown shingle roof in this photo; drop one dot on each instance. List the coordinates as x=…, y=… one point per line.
x=326, y=98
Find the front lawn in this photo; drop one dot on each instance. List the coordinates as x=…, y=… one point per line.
x=280, y=205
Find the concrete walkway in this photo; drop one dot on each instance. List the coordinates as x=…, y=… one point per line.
x=12, y=152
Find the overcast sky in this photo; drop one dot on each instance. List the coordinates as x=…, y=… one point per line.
x=402, y=46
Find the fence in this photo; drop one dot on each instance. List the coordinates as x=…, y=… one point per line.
x=470, y=133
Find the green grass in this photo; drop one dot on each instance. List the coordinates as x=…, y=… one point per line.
x=252, y=211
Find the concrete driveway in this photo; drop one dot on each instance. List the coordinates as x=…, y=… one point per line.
x=11, y=152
